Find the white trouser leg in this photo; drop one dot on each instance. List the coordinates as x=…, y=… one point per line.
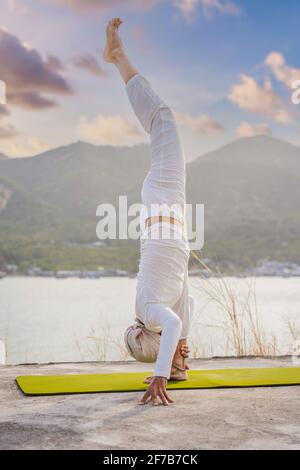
x=165, y=182
x=165, y=318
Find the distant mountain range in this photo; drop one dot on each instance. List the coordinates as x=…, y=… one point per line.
x=251, y=192
x=55, y=194
x=250, y=189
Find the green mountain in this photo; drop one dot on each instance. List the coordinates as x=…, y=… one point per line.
x=62, y=188
x=251, y=192
x=250, y=189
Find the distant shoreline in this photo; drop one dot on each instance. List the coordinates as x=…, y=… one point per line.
x=267, y=268
x=134, y=275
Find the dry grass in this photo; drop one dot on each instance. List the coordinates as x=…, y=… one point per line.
x=244, y=334
x=101, y=342
x=293, y=328
x=120, y=346
x=238, y=321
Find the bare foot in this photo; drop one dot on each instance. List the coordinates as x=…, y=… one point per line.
x=179, y=365
x=185, y=352
x=114, y=46
x=178, y=373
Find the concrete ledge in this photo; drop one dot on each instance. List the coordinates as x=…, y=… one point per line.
x=253, y=418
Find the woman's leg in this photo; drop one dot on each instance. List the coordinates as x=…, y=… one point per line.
x=115, y=53
x=165, y=182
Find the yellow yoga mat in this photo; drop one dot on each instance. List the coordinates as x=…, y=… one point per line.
x=133, y=382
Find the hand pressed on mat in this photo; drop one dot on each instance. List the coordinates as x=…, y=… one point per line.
x=156, y=393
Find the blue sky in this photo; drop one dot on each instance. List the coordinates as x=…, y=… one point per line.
x=224, y=66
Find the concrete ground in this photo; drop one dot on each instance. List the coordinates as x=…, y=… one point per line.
x=253, y=418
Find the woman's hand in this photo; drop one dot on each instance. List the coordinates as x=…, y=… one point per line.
x=156, y=393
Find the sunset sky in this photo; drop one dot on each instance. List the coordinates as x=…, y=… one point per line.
x=225, y=67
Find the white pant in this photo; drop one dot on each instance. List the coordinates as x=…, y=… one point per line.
x=163, y=303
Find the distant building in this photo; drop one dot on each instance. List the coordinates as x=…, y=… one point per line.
x=66, y=274
x=276, y=268
x=12, y=268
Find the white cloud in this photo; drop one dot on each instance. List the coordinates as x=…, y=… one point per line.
x=283, y=72
x=90, y=64
x=225, y=7
x=186, y=7
x=250, y=130
x=7, y=131
x=110, y=130
x=17, y=7
x=201, y=124
x=105, y=5
x=261, y=100
x=28, y=76
x=22, y=146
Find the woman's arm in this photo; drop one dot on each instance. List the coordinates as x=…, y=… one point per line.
x=159, y=314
